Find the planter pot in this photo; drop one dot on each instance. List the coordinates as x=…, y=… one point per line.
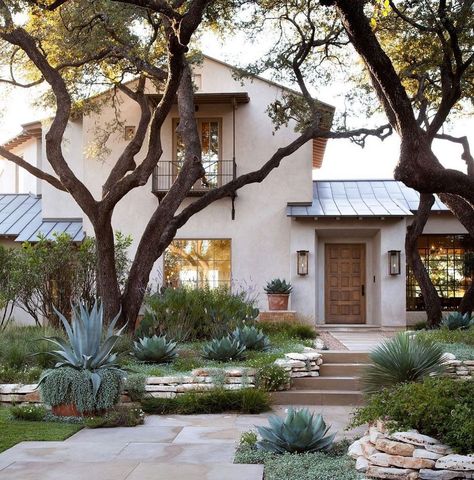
x=70, y=410
x=278, y=301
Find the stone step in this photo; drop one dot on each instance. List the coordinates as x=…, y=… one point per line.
x=326, y=383
x=341, y=369
x=344, y=356
x=317, y=397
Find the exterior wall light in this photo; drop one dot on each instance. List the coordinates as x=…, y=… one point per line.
x=394, y=262
x=302, y=259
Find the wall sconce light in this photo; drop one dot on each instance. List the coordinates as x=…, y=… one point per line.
x=394, y=262
x=129, y=132
x=302, y=259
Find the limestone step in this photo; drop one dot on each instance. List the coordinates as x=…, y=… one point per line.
x=341, y=369
x=318, y=397
x=344, y=356
x=326, y=383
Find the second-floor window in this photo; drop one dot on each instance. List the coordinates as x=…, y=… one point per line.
x=210, y=134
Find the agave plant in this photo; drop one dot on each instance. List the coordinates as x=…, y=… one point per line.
x=278, y=285
x=299, y=432
x=456, y=320
x=224, y=349
x=84, y=348
x=252, y=338
x=155, y=349
x=403, y=358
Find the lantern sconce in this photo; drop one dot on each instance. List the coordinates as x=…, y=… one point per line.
x=394, y=262
x=302, y=259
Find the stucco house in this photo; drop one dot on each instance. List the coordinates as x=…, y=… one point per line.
x=340, y=243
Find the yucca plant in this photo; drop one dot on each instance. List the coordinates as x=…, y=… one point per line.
x=84, y=348
x=278, y=285
x=403, y=358
x=456, y=321
x=252, y=337
x=299, y=432
x=224, y=349
x=155, y=349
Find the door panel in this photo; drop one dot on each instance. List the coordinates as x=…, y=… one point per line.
x=345, y=283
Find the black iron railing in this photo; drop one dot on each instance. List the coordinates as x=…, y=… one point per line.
x=218, y=173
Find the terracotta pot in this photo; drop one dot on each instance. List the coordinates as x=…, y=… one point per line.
x=278, y=301
x=70, y=410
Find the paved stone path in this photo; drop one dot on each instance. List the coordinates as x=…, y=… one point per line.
x=197, y=447
x=361, y=341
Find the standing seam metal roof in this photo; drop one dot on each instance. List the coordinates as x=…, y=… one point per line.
x=21, y=218
x=360, y=198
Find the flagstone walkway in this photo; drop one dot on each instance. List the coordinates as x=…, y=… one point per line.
x=197, y=447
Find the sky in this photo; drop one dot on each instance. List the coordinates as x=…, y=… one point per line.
x=343, y=159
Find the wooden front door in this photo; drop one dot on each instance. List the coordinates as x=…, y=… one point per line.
x=345, y=283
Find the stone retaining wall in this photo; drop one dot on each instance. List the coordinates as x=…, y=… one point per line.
x=408, y=456
x=304, y=364
x=459, y=368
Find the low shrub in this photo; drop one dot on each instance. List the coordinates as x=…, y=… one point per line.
x=19, y=375
x=119, y=416
x=248, y=439
x=444, y=335
x=403, y=358
x=30, y=413
x=439, y=407
x=272, y=378
x=196, y=314
x=457, y=321
x=247, y=400
x=187, y=364
x=289, y=330
x=307, y=466
x=135, y=385
x=252, y=337
x=67, y=385
x=420, y=325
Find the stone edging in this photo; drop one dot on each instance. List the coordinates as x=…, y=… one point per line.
x=305, y=364
x=459, y=368
x=408, y=456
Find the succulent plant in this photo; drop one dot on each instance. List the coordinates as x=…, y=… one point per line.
x=403, y=358
x=85, y=349
x=456, y=321
x=224, y=349
x=299, y=432
x=278, y=285
x=155, y=349
x=253, y=338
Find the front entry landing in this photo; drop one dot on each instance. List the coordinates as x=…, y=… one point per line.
x=345, y=283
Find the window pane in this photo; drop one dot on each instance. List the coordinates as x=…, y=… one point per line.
x=449, y=260
x=198, y=263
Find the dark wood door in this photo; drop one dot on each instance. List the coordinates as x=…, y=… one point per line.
x=345, y=283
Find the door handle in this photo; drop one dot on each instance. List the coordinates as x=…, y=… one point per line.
x=363, y=290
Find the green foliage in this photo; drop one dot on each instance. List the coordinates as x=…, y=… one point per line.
x=15, y=431
x=119, y=416
x=135, y=385
x=420, y=325
x=303, y=466
x=85, y=349
x=278, y=285
x=439, y=407
x=403, y=358
x=247, y=400
x=299, y=432
x=443, y=335
x=289, y=330
x=7, y=287
x=457, y=320
x=272, y=378
x=30, y=413
x=196, y=314
x=182, y=364
x=155, y=349
x=224, y=349
x=67, y=385
x=248, y=439
x=252, y=338
x=19, y=375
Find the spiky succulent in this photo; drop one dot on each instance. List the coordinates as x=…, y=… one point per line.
x=253, y=338
x=155, y=349
x=403, y=358
x=224, y=349
x=456, y=320
x=299, y=432
x=84, y=349
x=278, y=285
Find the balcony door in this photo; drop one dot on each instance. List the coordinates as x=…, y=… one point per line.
x=210, y=134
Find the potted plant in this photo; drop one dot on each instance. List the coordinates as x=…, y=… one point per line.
x=278, y=292
x=87, y=379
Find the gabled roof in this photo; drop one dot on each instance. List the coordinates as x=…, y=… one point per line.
x=361, y=198
x=21, y=219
